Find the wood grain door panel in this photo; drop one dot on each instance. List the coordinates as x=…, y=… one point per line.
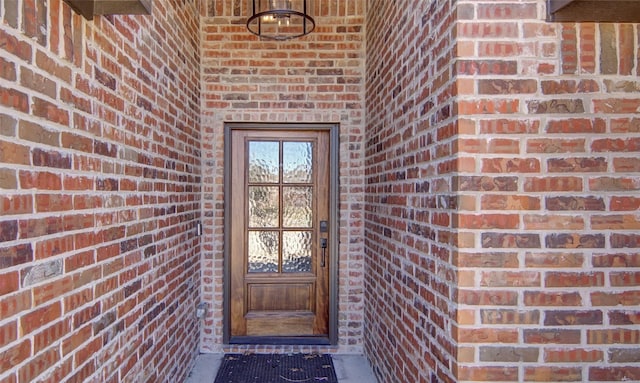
x=279, y=271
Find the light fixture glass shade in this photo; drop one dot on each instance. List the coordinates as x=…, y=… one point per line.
x=280, y=19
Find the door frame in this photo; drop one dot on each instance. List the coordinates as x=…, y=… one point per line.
x=334, y=138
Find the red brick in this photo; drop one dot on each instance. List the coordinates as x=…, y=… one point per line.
x=38, y=364
x=51, y=290
x=9, y=282
x=14, y=355
x=548, y=298
x=8, y=333
x=617, y=374
x=553, y=184
x=574, y=279
x=489, y=373
x=36, y=319
x=613, y=335
x=573, y=355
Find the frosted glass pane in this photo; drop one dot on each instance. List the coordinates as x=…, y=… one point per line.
x=297, y=206
x=296, y=251
x=264, y=204
x=264, y=161
x=263, y=252
x=296, y=162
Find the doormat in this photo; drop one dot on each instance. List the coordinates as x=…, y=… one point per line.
x=276, y=368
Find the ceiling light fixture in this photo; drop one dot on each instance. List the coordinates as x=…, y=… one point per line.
x=280, y=19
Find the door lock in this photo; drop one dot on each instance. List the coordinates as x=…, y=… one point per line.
x=323, y=245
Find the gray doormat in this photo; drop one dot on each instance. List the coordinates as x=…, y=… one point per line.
x=276, y=368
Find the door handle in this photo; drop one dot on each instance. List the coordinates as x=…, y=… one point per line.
x=323, y=245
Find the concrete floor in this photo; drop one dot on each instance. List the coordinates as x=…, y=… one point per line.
x=349, y=368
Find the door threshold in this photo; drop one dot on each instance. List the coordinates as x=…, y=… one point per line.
x=282, y=340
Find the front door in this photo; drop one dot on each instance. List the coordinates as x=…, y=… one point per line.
x=278, y=244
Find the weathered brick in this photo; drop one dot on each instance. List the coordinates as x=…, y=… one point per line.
x=509, y=354
x=574, y=279
x=544, y=298
x=555, y=106
x=508, y=316
x=12, y=153
x=624, y=355
x=41, y=272
x=551, y=336
x=625, y=298
x=510, y=240
x=575, y=203
x=499, y=86
x=574, y=241
x=552, y=374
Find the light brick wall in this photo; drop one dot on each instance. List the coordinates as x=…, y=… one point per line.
x=99, y=193
x=317, y=78
x=532, y=267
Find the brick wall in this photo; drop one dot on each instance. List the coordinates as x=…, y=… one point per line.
x=410, y=204
x=548, y=165
x=317, y=78
x=514, y=255
x=100, y=190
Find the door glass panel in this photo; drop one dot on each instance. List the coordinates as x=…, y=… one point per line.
x=297, y=161
x=264, y=202
x=297, y=206
x=264, y=161
x=263, y=251
x=296, y=251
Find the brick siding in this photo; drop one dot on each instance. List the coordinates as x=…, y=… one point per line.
x=99, y=193
x=411, y=202
x=502, y=194
x=488, y=186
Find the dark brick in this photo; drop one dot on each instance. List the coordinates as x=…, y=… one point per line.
x=572, y=318
x=483, y=183
x=105, y=149
x=575, y=241
x=570, y=165
x=105, y=79
x=15, y=255
x=52, y=159
x=555, y=106
x=592, y=203
x=510, y=240
x=8, y=230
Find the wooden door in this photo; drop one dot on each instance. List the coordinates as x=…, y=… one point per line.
x=278, y=243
